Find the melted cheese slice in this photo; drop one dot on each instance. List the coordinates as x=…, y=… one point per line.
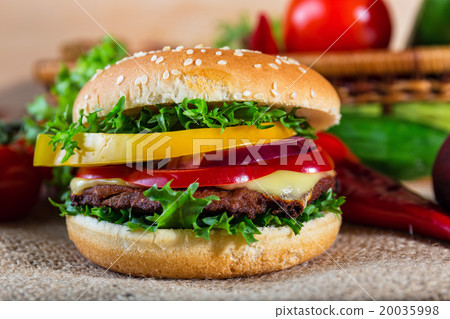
x=285, y=184
x=78, y=185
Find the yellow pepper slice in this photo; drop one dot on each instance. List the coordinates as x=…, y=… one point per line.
x=99, y=149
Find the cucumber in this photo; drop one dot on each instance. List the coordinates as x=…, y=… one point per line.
x=398, y=148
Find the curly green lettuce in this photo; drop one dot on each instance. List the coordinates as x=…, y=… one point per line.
x=183, y=211
x=70, y=81
x=189, y=114
x=67, y=85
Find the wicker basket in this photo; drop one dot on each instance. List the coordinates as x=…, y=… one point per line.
x=419, y=74
x=380, y=76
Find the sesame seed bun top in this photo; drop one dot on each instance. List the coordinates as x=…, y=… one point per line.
x=215, y=75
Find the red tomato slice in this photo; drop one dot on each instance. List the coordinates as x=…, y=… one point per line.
x=311, y=162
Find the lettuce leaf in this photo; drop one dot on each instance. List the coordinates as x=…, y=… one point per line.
x=66, y=87
x=180, y=208
x=189, y=114
x=182, y=211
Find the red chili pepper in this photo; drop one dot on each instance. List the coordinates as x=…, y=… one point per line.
x=262, y=38
x=335, y=148
x=377, y=200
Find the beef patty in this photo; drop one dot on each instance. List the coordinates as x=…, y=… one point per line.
x=238, y=202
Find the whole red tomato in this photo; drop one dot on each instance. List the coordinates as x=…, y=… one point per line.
x=314, y=25
x=20, y=182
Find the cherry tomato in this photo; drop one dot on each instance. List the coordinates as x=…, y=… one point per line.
x=20, y=182
x=212, y=176
x=314, y=25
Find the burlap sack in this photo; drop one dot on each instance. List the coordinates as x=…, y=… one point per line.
x=38, y=262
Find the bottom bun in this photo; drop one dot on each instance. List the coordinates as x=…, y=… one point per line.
x=177, y=253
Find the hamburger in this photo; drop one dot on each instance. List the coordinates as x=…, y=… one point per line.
x=198, y=163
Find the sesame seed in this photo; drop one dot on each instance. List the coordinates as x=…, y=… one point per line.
x=107, y=67
x=153, y=58
x=274, y=86
x=293, y=61
x=238, y=53
x=219, y=53
x=259, y=96
x=166, y=48
x=313, y=93
x=273, y=65
x=278, y=61
x=237, y=95
x=188, y=62
x=86, y=96
x=180, y=47
x=190, y=51
x=257, y=65
x=274, y=93
x=222, y=62
x=202, y=50
x=247, y=93
x=139, y=54
x=225, y=48
x=302, y=69
x=123, y=60
x=175, y=72
x=166, y=75
x=144, y=79
x=158, y=60
x=293, y=95
x=137, y=81
x=198, y=62
x=199, y=46
x=119, y=79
